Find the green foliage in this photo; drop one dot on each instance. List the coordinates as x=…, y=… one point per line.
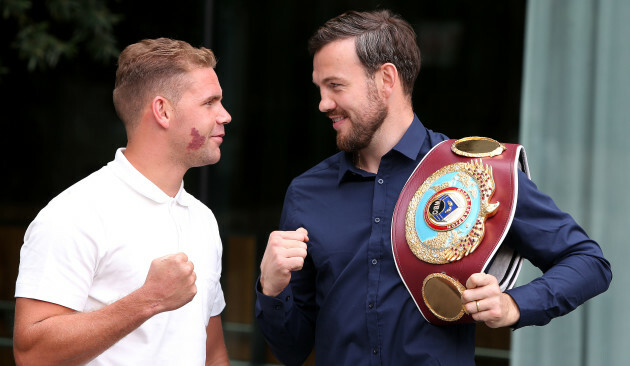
x=14, y=8
x=50, y=30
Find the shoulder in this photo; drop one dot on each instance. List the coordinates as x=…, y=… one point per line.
x=324, y=173
x=75, y=215
x=83, y=196
x=310, y=191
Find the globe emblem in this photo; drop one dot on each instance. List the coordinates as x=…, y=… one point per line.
x=447, y=209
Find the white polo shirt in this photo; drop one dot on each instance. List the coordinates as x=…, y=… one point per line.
x=94, y=243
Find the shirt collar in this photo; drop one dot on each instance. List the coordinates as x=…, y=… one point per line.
x=411, y=142
x=141, y=184
x=409, y=146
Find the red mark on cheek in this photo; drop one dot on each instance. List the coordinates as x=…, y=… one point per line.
x=197, y=140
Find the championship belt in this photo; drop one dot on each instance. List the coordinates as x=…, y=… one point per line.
x=450, y=221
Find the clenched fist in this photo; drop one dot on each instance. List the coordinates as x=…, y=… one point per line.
x=170, y=283
x=285, y=252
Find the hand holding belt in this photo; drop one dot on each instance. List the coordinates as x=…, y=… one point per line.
x=450, y=221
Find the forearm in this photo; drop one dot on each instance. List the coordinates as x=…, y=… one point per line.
x=574, y=267
x=74, y=338
x=288, y=330
x=561, y=289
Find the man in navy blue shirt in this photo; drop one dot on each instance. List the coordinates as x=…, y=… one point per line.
x=328, y=279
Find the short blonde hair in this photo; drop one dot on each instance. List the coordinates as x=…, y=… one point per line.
x=154, y=67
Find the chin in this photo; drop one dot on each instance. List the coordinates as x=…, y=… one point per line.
x=213, y=159
x=205, y=160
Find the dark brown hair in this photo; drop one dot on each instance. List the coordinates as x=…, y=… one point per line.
x=154, y=67
x=381, y=37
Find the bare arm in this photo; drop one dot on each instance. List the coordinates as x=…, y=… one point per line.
x=216, y=352
x=50, y=334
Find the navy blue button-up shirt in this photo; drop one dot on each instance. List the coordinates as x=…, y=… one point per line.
x=349, y=301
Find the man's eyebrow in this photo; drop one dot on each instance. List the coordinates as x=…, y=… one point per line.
x=213, y=98
x=329, y=79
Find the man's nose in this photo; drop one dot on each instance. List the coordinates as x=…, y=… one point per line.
x=224, y=117
x=326, y=104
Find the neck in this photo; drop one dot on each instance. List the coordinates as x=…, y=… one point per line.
x=359, y=162
x=390, y=133
x=155, y=167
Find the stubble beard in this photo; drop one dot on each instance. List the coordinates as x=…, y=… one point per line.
x=186, y=156
x=205, y=156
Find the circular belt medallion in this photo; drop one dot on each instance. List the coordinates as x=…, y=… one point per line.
x=447, y=209
x=446, y=217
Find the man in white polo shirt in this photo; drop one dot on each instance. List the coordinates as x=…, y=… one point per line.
x=123, y=267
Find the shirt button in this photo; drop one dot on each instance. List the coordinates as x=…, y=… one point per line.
x=377, y=220
x=277, y=307
x=370, y=305
x=288, y=298
x=375, y=350
x=380, y=181
x=374, y=261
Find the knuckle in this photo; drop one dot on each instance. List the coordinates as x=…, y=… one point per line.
x=275, y=236
x=178, y=257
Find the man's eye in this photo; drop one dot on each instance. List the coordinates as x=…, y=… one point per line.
x=334, y=85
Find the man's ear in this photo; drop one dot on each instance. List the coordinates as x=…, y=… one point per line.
x=162, y=111
x=389, y=78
